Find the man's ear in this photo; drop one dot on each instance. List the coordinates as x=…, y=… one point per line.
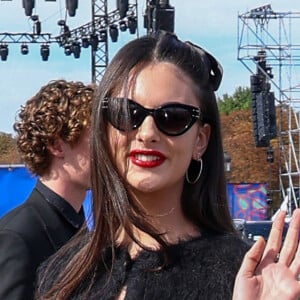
x=57, y=149
x=202, y=141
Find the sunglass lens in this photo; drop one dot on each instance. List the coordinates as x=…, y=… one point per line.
x=173, y=120
x=137, y=114
x=117, y=112
x=124, y=114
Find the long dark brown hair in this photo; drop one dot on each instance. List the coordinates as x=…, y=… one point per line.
x=204, y=203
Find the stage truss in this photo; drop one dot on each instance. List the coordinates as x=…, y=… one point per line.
x=277, y=34
x=101, y=22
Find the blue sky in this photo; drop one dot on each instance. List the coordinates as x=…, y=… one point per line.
x=211, y=24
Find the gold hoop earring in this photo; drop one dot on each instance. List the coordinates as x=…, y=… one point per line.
x=199, y=173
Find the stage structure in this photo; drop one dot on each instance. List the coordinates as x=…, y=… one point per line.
x=269, y=47
x=95, y=34
x=158, y=15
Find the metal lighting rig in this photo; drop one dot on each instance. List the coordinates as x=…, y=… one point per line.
x=159, y=15
x=94, y=34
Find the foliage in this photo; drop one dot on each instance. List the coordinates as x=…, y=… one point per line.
x=8, y=151
x=6, y=142
x=240, y=100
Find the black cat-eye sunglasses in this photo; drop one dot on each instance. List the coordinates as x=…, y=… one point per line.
x=172, y=118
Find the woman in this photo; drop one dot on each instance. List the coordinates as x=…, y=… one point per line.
x=162, y=228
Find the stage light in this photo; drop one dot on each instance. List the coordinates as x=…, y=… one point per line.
x=103, y=35
x=3, y=52
x=122, y=26
x=24, y=49
x=45, y=52
x=71, y=6
x=64, y=28
x=114, y=33
x=61, y=22
x=122, y=6
x=28, y=5
x=94, y=41
x=68, y=50
x=76, y=49
x=85, y=42
x=132, y=24
x=37, y=26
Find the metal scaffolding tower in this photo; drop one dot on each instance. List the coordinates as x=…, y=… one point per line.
x=276, y=35
x=102, y=20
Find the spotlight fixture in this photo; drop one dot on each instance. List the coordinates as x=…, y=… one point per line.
x=3, y=52
x=37, y=25
x=28, y=6
x=114, y=33
x=45, y=52
x=132, y=24
x=76, y=49
x=123, y=26
x=85, y=42
x=103, y=35
x=71, y=6
x=24, y=49
x=68, y=50
x=122, y=6
x=65, y=30
x=94, y=41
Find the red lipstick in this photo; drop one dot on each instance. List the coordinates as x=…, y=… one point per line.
x=146, y=158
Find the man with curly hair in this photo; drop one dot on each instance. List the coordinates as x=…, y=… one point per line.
x=53, y=140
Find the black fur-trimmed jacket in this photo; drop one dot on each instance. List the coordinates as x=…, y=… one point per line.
x=200, y=268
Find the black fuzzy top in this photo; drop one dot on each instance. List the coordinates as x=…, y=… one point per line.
x=200, y=268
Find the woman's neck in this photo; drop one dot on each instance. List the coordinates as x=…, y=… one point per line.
x=166, y=216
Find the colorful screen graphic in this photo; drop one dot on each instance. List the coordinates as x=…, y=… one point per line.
x=247, y=201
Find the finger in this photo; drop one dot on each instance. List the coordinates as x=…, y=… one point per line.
x=274, y=241
x=295, y=265
x=291, y=240
x=252, y=259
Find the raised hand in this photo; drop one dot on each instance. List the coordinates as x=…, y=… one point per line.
x=270, y=270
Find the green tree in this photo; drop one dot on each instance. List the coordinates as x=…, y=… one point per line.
x=6, y=143
x=240, y=100
x=8, y=149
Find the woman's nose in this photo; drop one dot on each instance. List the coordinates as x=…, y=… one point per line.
x=148, y=132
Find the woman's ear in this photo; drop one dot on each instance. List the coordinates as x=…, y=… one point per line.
x=201, y=141
x=57, y=149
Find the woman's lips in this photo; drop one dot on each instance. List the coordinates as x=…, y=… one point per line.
x=146, y=158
